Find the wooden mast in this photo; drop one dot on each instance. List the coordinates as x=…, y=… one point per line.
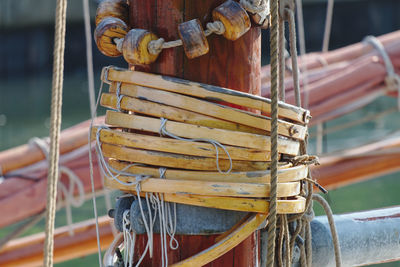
x=234, y=65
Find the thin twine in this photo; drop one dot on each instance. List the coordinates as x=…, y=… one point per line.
x=112, y=173
x=392, y=80
x=216, y=144
x=56, y=104
x=129, y=239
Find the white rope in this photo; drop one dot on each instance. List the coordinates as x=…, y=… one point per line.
x=73, y=181
x=216, y=27
x=254, y=6
x=119, y=96
x=392, y=80
x=112, y=173
x=129, y=239
x=171, y=223
x=216, y=144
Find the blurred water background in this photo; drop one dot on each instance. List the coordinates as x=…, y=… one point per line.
x=26, y=34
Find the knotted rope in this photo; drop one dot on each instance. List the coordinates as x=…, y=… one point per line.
x=392, y=79
x=156, y=46
x=56, y=103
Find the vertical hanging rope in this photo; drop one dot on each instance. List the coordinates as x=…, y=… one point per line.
x=56, y=103
x=328, y=24
x=281, y=54
x=293, y=54
x=274, y=133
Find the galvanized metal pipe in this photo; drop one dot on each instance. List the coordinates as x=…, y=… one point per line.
x=365, y=238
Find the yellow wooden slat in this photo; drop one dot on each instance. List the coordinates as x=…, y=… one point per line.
x=284, y=206
x=173, y=113
x=287, y=174
x=206, y=91
x=179, y=161
x=203, y=188
x=212, y=109
x=233, y=138
x=201, y=149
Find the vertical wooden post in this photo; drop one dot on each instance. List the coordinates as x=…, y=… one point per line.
x=234, y=65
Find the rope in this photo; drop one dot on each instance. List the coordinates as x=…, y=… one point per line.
x=73, y=180
x=302, y=46
x=216, y=144
x=328, y=24
x=89, y=55
x=56, y=103
x=392, y=80
x=156, y=46
x=216, y=27
x=282, y=64
x=129, y=239
x=274, y=134
x=254, y=6
x=104, y=76
x=293, y=55
x=335, y=237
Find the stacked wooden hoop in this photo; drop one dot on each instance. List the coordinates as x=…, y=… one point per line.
x=195, y=111
x=114, y=38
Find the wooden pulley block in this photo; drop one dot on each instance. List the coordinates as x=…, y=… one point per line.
x=135, y=47
x=193, y=38
x=235, y=19
x=109, y=29
x=112, y=8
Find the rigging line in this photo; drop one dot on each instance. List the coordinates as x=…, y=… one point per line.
x=335, y=236
x=93, y=116
x=293, y=55
x=89, y=55
x=56, y=103
x=328, y=25
x=302, y=46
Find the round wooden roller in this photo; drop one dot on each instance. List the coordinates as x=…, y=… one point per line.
x=112, y=8
x=135, y=47
x=193, y=38
x=235, y=19
x=109, y=29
